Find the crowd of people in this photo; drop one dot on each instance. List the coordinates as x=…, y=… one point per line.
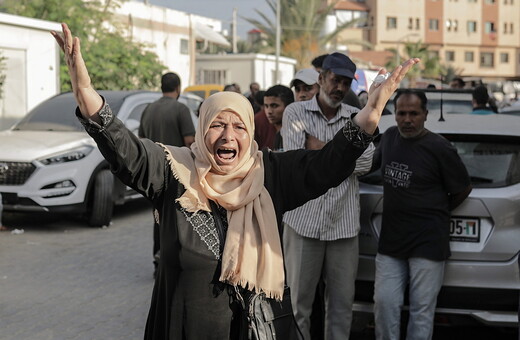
x=320, y=238
x=263, y=194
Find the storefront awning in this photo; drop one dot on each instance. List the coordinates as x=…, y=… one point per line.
x=204, y=32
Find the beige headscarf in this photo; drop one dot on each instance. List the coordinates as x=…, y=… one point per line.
x=252, y=254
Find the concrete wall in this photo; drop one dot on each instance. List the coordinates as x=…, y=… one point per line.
x=32, y=65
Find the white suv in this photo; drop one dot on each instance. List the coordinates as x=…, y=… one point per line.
x=48, y=163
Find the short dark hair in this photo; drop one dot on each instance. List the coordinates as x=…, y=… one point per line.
x=419, y=94
x=459, y=80
x=259, y=97
x=480, y=95
x=282, y=92
x=318, y=61
x=230, y=87
x=170, y=82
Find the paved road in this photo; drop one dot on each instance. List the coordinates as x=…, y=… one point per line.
x=61, y=280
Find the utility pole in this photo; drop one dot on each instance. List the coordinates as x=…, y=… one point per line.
x=278, y=33
x=234, y=34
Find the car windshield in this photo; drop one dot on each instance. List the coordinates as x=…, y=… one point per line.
x=57, y=114
x=492, y=162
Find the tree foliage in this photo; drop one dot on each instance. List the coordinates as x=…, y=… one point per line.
x=115, y=62
x=429, y=67
x=302, y=23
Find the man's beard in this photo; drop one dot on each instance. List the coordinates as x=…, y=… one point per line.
x=329, y=101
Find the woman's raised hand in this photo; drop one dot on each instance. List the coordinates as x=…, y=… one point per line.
x=88, y=99
x=379, y=94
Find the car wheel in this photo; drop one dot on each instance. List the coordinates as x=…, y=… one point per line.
x=101, y=204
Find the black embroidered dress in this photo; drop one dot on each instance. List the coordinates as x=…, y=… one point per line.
x=183, y=305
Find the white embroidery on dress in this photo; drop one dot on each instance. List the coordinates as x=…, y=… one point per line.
x=204, y=225
x=156, y=216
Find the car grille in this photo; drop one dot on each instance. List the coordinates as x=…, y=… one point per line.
x=15, y=173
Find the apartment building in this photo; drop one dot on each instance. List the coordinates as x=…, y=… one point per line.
x=478, y=38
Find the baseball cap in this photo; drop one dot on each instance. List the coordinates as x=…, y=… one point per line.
x=308, y=75
x=340, y=64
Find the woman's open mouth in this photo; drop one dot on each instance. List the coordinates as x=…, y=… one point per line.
x=226, y=155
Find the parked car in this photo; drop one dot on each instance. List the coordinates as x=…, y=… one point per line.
x=193, y=102
x=204, y=90
x=513, y=110
x=48, y=163
x=482, y=275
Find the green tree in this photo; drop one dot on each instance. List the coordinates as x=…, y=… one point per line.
x=449, y=72
x=429, y=67
x=115, y=61
x=302, y=25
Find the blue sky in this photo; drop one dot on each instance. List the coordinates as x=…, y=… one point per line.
x=220, y=9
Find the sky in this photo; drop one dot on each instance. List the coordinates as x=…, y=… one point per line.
x=220, y=9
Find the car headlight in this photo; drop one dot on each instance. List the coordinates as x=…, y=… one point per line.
x=69, y=156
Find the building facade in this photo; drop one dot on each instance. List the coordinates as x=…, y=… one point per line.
x=478, y=38
x=31, y=63
x=176, y=37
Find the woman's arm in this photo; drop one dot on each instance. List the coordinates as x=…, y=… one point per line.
x=379, y=94
x=297, y=176
x=89, y=101
x=139, y=164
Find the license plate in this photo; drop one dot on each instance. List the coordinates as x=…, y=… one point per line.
x=465, y=229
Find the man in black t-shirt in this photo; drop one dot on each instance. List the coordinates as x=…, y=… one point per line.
x=424, y=179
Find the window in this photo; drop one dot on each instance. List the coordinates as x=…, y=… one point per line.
x=455, y=24
x=410, y=23
x=343, y=16
x=448, y=24
x=489, y=27
x=417, y=23
x=504, y=58
x=469, y=56
x=433, y=24
x=487, y=59
x=211, y=77
x=184, y=49
x=472, y=26
x=450, y=56
x=137, y=112
x=391, y=22
x=490, y=2
x=511, y=28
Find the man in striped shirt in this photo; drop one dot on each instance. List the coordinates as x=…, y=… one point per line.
x=321, y=237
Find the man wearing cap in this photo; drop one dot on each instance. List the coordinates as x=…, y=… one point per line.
x=321, y=238
x=305, y=83
x=351, y=98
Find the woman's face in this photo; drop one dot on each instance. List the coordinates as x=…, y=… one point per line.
x=227, y=139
